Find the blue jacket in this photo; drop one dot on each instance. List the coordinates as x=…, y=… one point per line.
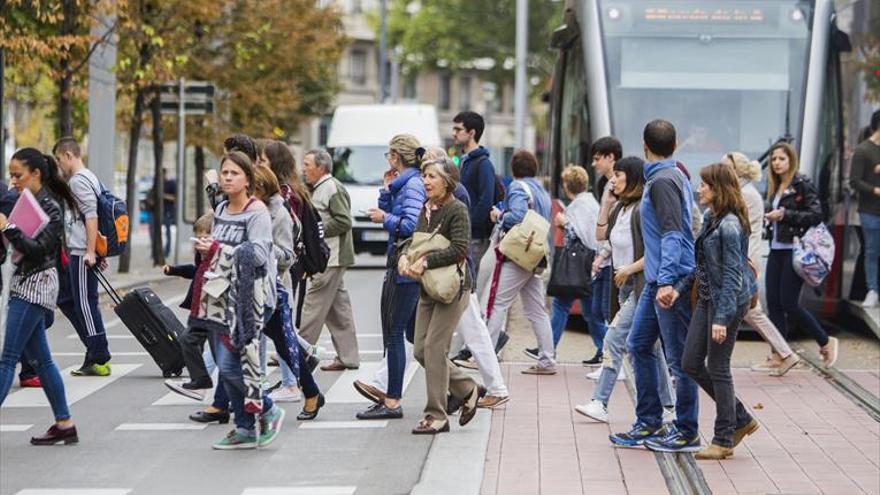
x=516, y=203
x=666, y=223
x=478, y=177
x=725, y=250
x=402, y=202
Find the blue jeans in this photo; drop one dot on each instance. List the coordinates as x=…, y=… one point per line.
x=783, y=297
x=598, y=309
x=403, y=320
x=615, y=349
x=561, y=310
x=26, y=335
x=671, y=326
x=78, y=300
x=232, y=381
x=871, y=232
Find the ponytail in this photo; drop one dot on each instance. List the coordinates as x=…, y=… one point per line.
x=57, y=185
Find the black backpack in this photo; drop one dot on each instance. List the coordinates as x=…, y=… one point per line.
x=311, y=249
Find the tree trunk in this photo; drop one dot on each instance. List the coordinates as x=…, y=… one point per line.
x=65, y=105
x=158, y=213
x=137, y=121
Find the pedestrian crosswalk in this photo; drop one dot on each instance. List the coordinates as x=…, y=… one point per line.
x=76, y=388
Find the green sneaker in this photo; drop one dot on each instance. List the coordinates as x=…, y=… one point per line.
x=236, y=441
x=93, y=370
x=270, y=426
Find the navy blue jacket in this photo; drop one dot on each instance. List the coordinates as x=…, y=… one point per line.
x=478, y=177
x=725, y=251
x=402, y=202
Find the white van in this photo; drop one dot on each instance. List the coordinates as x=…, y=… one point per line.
x=358, y=140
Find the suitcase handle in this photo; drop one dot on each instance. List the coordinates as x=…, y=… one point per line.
x=148, y=336
x=102, y=279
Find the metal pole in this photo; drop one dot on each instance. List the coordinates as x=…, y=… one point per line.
x=181, y=157
x=383, y=51
x=519, y=109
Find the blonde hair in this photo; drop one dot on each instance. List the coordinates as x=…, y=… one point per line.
x=575, y=179
x=204, y=223
x=405, y=145
x=744, y=168
x=265, y=183
x=773, y=180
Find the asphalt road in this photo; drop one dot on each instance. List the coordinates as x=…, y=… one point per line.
x=135, y=437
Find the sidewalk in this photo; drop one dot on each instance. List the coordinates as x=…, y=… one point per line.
x=813, y=439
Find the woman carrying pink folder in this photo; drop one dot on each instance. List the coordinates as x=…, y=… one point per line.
x=34, y=285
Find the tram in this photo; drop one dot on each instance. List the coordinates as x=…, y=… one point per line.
x=731, y=75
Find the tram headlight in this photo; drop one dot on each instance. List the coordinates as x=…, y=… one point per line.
x=796, y=15
x=614, y=13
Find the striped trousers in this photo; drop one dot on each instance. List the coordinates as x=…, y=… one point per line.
x=78, y=300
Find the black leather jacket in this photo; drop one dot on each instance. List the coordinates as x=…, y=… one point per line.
x=802, y=210
x=41, y=252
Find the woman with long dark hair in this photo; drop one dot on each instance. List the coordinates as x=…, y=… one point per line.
x=725, y=286
x=34, y=287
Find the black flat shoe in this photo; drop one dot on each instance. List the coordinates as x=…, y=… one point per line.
x=209, y=417
x=381, y=411
x=593, y=361
x=310, y=415
x=56, y=435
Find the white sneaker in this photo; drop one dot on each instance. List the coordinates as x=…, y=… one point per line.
x=284, y=394
x=594, y=375
x=871, y=300
x=668, y=415
x=594, y=410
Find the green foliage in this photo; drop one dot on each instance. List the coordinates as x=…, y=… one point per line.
x=869, y=46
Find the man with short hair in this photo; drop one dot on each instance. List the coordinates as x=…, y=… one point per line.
x=327, y=300
x=669, y=255
x=478, y=177
x=865, y=179
x=78, y=294
x=605, y=152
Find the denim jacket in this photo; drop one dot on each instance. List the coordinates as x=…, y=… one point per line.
x=725, y=251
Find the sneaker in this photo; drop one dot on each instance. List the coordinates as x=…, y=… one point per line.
x=668, y=415
x=93, y=370
x=30, y=382
x=179, y=387
x=492, y=401
x=469, y=363
x=539, y=370
x=532, y=353
x=593, y=361
x=595, y=374
x=871, y=300
x=595, y=410
x=675, y=441
x=636, y=437
x=381, y=411
x=787, y=364
x=270, y=426
x=286, y=394
x=236, y=441
x=829, y=352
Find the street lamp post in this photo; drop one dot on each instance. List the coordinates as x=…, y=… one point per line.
x=522, y=13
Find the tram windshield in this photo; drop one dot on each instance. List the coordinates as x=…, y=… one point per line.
x=729, y=74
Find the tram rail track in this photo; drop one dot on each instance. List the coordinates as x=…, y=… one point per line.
x=846, y=385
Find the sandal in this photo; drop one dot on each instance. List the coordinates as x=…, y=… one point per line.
x=428, y=426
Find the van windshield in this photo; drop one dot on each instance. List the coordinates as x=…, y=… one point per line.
x=360, y=164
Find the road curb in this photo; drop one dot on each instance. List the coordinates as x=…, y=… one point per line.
x=456, y=460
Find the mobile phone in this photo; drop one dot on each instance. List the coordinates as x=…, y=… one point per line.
x=195, y=239
x=363, y=212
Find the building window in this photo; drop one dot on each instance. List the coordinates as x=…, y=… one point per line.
x=409, y=87
x=497, y=103
x=358, y=67
x=443, y=99
x=464, y=95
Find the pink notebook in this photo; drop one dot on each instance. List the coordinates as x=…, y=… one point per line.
x=28, y=217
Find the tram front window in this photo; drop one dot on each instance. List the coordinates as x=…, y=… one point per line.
x=729, y=75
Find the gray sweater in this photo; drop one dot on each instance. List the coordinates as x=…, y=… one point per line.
x=282, y=237
x=85, y=186
x=254, y=224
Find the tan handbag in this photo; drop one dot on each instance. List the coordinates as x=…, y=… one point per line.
x=526, y=243
x=442, y=284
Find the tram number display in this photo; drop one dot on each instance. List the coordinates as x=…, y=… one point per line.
x=721, y=14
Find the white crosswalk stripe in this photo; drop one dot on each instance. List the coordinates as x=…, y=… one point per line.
x=342, y=425
x=301, y=490
x=160, y=426
x=11, y=428
x=343, y=393
x=75, y=387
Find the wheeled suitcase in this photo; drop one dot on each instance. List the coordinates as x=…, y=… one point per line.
x=152, y=323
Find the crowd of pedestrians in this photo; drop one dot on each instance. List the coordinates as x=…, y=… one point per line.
x=673, y=275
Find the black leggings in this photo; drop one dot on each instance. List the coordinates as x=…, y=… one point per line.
x=274, y=331
x=783, y=295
